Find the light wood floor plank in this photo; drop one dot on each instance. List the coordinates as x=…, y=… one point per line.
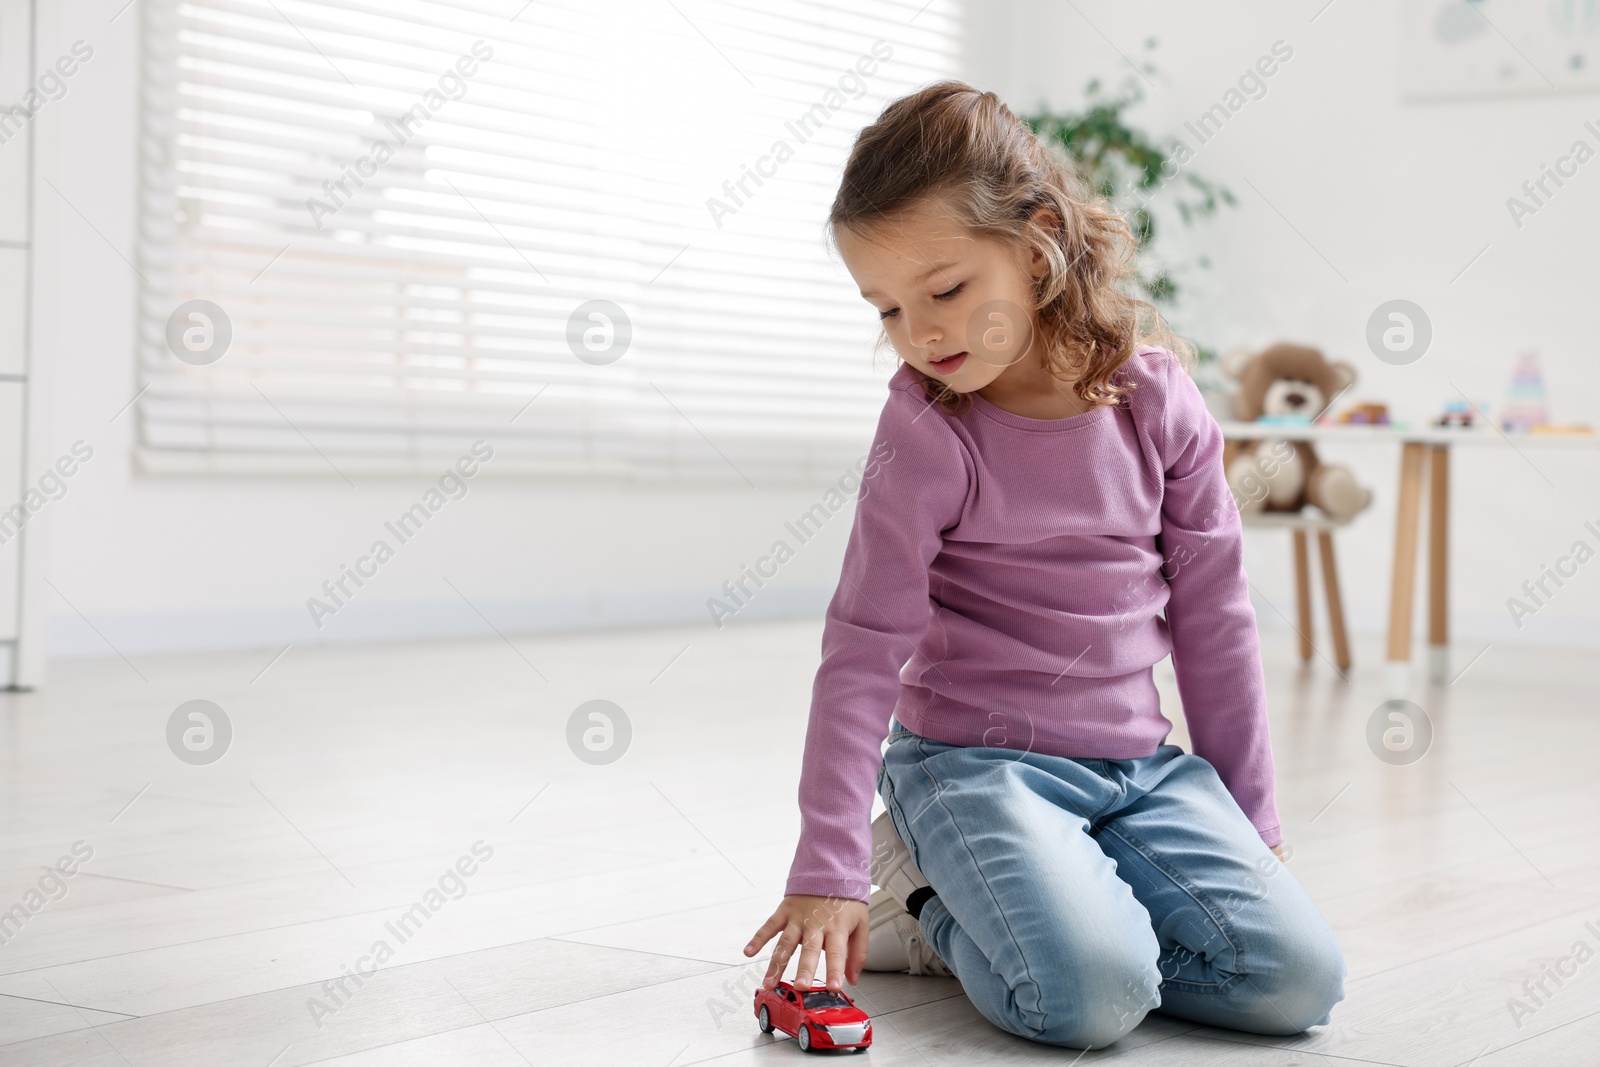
x=608, y=927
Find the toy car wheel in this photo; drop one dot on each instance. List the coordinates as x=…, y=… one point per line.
x=804, y=1037
x=766, y=1020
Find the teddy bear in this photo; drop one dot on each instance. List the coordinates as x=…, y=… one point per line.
x=1292, y=383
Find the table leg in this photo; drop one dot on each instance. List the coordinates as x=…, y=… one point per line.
x=1408, y=509
x=1302, y=593
x=1439, y=564
x=1330, y=588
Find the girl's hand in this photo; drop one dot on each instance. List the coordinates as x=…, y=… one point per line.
x=1277, y=850
x=834, y=926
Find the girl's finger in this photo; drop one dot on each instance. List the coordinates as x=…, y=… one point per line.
x=780, y=956
x=768, y=930
x=833, y=947
x=857, y=957
x=810, y=949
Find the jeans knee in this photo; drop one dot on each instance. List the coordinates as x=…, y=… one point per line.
x=1110, y=996
x=1301, y=991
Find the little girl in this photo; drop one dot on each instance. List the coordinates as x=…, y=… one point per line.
x=1051, y=521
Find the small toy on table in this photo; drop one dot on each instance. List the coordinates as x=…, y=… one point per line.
x=816, y=1018
x=1526, y=410
x=1577, y=429
x=1366, y=414
x=1525, y=403
x=1456, y=413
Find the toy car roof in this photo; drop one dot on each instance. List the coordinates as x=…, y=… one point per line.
x=784, y=983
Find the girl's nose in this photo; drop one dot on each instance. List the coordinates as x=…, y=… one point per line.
x=923, y=333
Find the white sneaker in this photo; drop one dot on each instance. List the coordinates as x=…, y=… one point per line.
x=892, y=866
x=895, y=942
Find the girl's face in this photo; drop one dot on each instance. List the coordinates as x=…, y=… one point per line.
x=953, y=302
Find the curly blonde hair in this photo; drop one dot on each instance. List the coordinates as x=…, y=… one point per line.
x=965, y=148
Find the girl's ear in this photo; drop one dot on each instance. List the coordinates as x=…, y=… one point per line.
x=1050, y=222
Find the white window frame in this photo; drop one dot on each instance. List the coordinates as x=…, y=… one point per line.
x=581, y=162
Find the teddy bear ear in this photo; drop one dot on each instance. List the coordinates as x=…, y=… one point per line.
x=1235, y=360
x=1343, y=376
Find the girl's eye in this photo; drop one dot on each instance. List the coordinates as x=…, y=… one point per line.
x=949, y=294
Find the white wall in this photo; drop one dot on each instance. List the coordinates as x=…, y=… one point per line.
x=162, y=563
x=1399, y=197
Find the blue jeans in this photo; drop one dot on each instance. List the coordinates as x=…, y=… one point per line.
x=1076, y=895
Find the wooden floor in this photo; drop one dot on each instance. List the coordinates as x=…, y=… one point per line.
x=606, y=926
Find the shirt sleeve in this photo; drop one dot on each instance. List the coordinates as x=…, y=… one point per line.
x=914, y=488
x=1216, y=649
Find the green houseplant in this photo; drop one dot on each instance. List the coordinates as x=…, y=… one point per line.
x=1129, y=167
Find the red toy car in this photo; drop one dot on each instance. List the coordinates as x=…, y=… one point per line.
x=816, y=1018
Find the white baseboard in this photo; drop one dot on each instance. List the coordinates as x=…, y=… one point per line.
x=162, y=633
x=1466, y=627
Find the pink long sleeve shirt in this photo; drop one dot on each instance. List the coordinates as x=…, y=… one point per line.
x=1013, y=581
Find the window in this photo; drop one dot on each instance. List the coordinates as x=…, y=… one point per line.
x=590, y=234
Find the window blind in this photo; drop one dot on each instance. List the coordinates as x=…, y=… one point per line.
x=590, y=234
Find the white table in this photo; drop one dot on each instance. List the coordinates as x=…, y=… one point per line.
x=1419, y=446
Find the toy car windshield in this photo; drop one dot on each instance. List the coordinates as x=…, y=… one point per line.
x=823, y=999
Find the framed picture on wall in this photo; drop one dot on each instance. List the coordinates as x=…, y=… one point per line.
x=1460, y=49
